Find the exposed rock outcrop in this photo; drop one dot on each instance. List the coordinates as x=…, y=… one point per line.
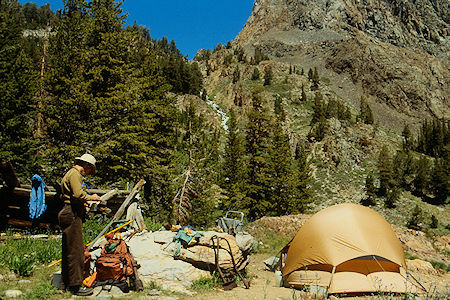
x=396, y=50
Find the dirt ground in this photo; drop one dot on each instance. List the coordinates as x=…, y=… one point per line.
x=262, y=285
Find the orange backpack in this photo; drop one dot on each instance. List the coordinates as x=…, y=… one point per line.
x=115, y=262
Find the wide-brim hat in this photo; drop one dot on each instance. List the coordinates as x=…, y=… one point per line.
x=87, y=158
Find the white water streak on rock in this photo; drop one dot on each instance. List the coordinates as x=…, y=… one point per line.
x=222, y=115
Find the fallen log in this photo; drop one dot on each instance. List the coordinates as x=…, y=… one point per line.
x=14, y=205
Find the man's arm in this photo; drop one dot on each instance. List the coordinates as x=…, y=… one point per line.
x=77, y=191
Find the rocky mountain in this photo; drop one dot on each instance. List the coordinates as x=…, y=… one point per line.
x=394, y=51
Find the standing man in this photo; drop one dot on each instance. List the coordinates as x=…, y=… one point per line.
x=70, y=219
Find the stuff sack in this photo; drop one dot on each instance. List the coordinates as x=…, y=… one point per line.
x=116, y=265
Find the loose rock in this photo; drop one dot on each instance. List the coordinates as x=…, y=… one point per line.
x=12, y=277
x=13, y=293
x=24, y=281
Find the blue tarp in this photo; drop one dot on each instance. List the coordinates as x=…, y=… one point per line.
x=37, y=204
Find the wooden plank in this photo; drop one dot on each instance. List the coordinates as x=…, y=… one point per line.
x=25, y=223
x=14, y=207
x=25, y=190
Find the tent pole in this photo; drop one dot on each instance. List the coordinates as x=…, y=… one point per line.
x=331, y=279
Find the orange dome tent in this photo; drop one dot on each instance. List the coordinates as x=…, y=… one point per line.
x=346, y=248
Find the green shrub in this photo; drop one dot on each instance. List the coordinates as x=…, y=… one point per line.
x=22, y=266
x=92, y=227
x=47, y=251
x=206, y=283
x=438, y=265
x=40, y=251
x=272, y=243
x=41, y=291
x=151, y=225
x=434, y=222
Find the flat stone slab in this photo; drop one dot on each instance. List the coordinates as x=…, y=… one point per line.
x=158, y=264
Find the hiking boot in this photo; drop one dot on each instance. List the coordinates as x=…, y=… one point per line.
x=81, y=290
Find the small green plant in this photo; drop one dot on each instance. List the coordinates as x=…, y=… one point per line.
x=206, y=283
x=22, y=266
x=151, y=225
x=153, y=286
x=41, y=291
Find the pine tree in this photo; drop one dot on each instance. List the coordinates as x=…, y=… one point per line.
x=236, y=75
x=347, y=114
x=240, y=54
x=195, y=82
x=440, y=181
x=105, y=96
x=257, y=131
x=278, y=108
x=258, y=57
x=315, y=80
x=421, y=180
x=227, y=60
x=437, y=139
x=434, y=223
x=255, y=74
x=415, y=219
x=385, y=170
x=403, y=168
x=280, y=163
x=268, y=76
x=310, y=74
x=365, y=112
x=393, y=196
x=371, y=192
x=304, y=99
x=117, y=119
x=319, y=129
x=204, y=95
x=407, y=138
x=234, y=172
x=332, y=109
x=299, y=181
x=319, y=108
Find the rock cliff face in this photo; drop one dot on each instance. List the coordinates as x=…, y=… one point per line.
x=396, y=50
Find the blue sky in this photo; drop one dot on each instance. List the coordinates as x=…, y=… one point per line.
x=193, y=24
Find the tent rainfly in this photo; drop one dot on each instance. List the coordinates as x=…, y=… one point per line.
x=346, y=248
